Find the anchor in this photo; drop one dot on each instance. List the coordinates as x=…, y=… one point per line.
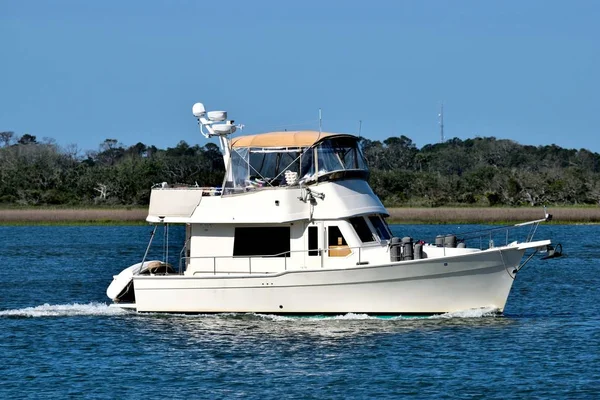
x=553, y=252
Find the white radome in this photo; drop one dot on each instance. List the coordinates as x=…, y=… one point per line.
x=217, y=116
x=198, y=110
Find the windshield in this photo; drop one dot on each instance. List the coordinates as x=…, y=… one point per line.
x=334, y=155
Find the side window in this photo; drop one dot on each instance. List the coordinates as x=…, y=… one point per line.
x=337, y=245
x=313, y=241
x=362, y=229
x=262, y=241
x=380, y=227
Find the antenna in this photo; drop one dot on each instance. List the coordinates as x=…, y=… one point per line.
x=320, y=121
x=441, y=115
x=359, y=126
x=215, y=122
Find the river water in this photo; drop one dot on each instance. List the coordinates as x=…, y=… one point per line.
x=59, y=338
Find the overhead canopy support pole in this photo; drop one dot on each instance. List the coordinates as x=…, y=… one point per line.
x=147, y=250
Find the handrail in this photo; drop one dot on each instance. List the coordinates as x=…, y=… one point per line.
x=488, y=235
x=285, y=255
x=490, y=232
x=209, y=190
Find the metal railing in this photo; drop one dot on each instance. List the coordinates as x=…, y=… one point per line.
x=496, y=236
x=486, y=238
x=206, y=190
x=279, y=261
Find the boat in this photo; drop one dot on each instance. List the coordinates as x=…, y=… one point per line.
x=296, y=229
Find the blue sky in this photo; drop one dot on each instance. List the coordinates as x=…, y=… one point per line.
x=82, y=71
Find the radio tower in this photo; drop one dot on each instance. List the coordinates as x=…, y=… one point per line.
x=441, y=115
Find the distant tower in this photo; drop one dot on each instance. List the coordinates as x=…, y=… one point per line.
x=441, y=115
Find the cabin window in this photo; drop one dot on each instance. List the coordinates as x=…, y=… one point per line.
x=313, y=241
x=335, y=158
x=340, y=154
x=253, y=168
x=262, y=241
x=307, y=165
x=362, y=229
x=337, y=243
x=268, y=167
x=380, y=227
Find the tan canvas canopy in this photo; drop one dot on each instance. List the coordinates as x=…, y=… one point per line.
x=283, y=139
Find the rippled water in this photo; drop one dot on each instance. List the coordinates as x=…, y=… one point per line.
x=59, y=338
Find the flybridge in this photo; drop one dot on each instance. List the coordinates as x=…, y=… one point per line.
x=281, y=158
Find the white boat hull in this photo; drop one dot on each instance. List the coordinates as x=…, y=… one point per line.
x=296, y=229
x=429, y=286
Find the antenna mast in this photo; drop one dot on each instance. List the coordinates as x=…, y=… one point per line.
x=320, y=122
x=441, y=116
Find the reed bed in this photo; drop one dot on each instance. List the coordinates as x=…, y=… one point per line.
x=441, y=215
x=72, y=216
x=454, y=215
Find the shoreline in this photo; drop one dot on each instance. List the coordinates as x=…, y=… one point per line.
x=73, y=216
x=492, y=215
x=398, y=215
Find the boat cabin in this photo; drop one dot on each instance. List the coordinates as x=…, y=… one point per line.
x=289, y=200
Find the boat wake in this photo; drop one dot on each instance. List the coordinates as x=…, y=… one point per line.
x=100, y=309
x=471, y=313
x=64, y=310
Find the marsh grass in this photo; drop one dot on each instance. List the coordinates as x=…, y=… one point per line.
x=441, y=215
x=60, y=216
x=459, y=215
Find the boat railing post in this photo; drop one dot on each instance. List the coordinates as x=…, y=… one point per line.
x=250, y=265
x=166, y=243
x=183, y=257
x=214, y=265
x=321, y=253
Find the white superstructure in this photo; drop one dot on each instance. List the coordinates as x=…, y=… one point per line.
x=295, y=228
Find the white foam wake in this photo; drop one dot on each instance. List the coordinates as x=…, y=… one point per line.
x=98, y=309
x=353, y=316
x=63, y=310
x=471, y=313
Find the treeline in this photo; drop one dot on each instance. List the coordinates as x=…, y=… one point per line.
x=42, y=173
x=480, y=171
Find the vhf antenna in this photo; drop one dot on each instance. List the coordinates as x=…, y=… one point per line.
x=320, y=122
